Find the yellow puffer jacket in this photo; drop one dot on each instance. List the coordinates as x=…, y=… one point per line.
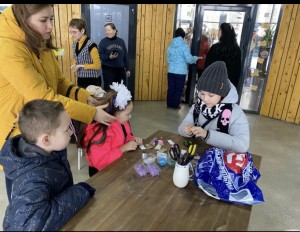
x=23, y=77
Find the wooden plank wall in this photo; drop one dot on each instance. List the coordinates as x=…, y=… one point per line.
x=155, y=26
x=282, y=93
x=63, y=13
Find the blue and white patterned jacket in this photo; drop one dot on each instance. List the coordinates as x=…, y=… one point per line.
x=43, y=194
x=178, y=56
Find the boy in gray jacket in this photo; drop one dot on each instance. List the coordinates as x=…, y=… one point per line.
x=216, y=117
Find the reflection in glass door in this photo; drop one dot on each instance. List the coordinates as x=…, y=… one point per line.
x=209, y=19
x=185, y=20
x=256, y=28
x=259, y=57
x=212, y=19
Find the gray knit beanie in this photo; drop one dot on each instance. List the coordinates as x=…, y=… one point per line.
x=214, y=79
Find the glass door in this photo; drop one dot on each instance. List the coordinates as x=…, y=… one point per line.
x=259, y=57
x=212, y=19
x=208, y=19
x=185, y=20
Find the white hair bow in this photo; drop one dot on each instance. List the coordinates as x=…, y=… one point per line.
x=123, y=94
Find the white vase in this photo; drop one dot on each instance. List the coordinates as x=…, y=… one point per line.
x=181, y=175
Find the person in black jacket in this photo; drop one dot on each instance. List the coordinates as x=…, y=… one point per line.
x=226, y=50
x=43, y=195
x=114, y=57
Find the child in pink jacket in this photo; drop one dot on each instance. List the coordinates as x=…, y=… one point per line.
x=103, y=144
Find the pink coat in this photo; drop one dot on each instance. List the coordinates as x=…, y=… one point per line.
x=102, y=155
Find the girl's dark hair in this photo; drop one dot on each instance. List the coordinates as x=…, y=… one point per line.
x=179, y=32
x=32, y=38
x=113, y=26
x=228, y=43
x=110, y=98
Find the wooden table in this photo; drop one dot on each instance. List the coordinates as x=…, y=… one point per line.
x=126, y=201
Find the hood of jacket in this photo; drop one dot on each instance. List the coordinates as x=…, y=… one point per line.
x=232, y=96
x=15, y=165
x=177, y=42
x=9, y=26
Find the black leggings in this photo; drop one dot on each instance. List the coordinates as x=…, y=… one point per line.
x=111, y=75
x=85, y=82
x=92, y=171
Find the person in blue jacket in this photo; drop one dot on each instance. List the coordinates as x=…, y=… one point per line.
x=43, y=195
x=178, y=56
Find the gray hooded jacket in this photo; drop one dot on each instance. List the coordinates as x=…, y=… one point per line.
x=238, y=137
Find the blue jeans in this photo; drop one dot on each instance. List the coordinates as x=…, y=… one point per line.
x=175, y=89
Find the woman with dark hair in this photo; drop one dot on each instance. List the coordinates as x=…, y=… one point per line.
x=178, y=56
x=114, y=57
x=226, y=50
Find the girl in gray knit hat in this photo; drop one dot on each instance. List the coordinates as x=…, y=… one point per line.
x=216, y=117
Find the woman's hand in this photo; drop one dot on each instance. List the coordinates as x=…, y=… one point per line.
x=75, y=67
x=102, y=116
x=113, y=55
x=130, y=146
x=93, y=101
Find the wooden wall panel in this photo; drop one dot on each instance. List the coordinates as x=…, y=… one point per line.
x=162, y=59
x=138, y=67
x=282, y=93
x=155, y=25
x=147, y=51
x=63, y=13
x=168, y=38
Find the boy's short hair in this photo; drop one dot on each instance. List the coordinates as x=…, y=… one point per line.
x=39, y=116
x=78, y=23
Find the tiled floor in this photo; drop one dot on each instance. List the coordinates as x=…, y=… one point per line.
x=276, y=141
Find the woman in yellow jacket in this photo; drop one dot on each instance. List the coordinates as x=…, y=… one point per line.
x=29, y=69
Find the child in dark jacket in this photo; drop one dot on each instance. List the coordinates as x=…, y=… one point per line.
x=43, y=195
